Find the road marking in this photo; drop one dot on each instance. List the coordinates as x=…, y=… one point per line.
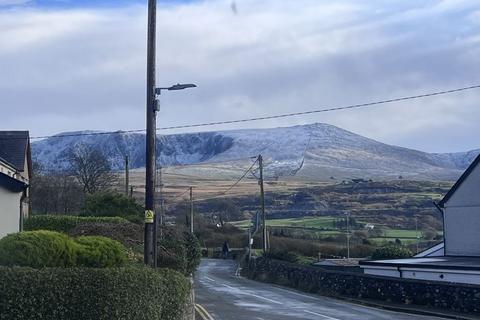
x=260, y=297
x=251, y=294
x=321, y=315
x=296, y=293
x=203, y=312
x=210, y=279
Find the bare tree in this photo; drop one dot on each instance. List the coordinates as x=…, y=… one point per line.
x=54, y=192
x=91, y=168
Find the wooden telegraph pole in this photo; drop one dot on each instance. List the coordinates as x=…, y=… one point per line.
x=127, y=177
x=150, y=137
x=262, y=204
x=191, y=210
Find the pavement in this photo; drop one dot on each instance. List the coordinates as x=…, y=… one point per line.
x=224, y=295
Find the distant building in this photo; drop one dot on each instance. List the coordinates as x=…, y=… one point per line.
x=457, y=259
x=15, y=171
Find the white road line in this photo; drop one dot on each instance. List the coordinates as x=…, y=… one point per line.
x=296, y=293
x=209, y=279
x=321, y=315
x=251, y=294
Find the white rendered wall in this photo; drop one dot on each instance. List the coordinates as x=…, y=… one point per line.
x=462, y=231
x=9, y=212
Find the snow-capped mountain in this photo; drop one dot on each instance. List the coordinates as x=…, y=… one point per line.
x=318, y=151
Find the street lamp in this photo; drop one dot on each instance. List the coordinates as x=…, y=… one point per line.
x=177, y=86
x=150, y=196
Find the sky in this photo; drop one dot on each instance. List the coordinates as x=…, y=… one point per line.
x=81, y=65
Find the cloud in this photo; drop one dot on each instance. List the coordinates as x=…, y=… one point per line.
x=73, y=69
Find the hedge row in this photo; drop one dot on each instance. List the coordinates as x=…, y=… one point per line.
x=92, y=294
x=64, y=223
x=42, y=248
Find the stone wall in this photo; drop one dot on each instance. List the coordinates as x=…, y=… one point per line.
x=455, y=297
x=189, y=310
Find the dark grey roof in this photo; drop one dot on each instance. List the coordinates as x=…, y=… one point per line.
x=446, y=262
x=13, y=148
x=457, y=184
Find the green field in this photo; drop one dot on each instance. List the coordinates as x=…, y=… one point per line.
x=324, y=226
x=324, y=222
x=400, y=233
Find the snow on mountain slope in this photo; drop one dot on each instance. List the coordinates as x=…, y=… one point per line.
x=310, y=151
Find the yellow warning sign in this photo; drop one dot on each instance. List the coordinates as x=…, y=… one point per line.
x=149, y=215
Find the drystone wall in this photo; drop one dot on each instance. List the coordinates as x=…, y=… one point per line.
x=454, y=297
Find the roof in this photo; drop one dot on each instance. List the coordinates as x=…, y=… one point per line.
x=438, y=248
x=446, y=262
x=457, y=184
x=14, y=148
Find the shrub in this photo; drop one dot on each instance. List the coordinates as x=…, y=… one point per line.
x=64, y=223
x=127, y=233
x=110, y=204
x=179, y=252
x=283, y=255
x=37, y=249
x=92, y=294
x=194, y=252
x=100, y=252
x=391, y=252
x=172, y=254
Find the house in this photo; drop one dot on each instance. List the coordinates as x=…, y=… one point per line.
x=15, y=171
x=457, y=259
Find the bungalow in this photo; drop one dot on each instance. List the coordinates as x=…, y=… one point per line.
x=457, y=259
x=15, y=171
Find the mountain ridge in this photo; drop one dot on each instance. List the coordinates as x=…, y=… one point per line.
x=317, y=151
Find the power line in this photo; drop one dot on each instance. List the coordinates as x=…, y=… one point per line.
x=180, y=195
x=236, y=182
x=285, y=115
x=241, y=178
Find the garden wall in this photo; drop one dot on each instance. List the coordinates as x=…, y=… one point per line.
x=454, y=297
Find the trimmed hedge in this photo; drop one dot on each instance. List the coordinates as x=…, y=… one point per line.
x=100, y=252
x=38, y=249
x=129, y=234
x=92, y=294
x=391, y=252
x=64, y=223
x=41, y=248
x=112, y=204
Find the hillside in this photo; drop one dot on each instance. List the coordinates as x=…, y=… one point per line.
x=318, y=151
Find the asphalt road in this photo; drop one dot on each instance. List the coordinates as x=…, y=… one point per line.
x=227, y=296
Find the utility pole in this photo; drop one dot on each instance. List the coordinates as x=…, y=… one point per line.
x=416, y=232
x=348, y=234
x=262, y=204
x=249, y=244
x=150, y=137
x=160, y=185
x=191, y=210
x=131, y=192
x=127, y=176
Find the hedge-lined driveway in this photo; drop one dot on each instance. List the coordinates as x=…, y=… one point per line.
x=227, y=296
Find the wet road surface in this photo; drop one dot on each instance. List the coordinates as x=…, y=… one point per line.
x=227, y=296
